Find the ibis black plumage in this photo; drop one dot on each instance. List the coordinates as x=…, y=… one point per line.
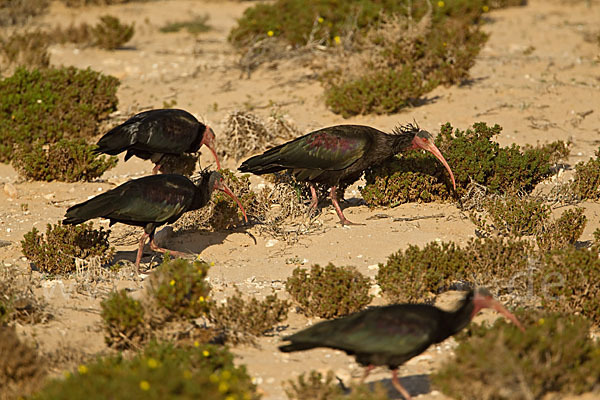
x=153, y=134
x=394, y=334
x=340, y=154
x=150, y=202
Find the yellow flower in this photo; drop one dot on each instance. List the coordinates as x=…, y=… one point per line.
x=212, y=263
x=541, y=321
x=205, y=353
x=485, y=9
x=172, y=283
x=226, y=375
x=196, y=343
x=320, y=19
x=223, y=387
x=187, y=374
x=200, y=299
x=441, y=4
x=270, y=33
x=152, y=363
x=337, y=40
x=445, y=44
x=213, y=378
x=144, y=385
x=82, y=369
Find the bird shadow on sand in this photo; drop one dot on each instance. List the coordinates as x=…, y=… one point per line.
x=415, y=384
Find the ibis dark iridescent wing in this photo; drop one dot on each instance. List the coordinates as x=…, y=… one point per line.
x=394, y=331
x=333, y=148
x=162, y=131
x=152, y=199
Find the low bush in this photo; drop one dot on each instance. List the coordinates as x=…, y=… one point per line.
x=319, y=387
x=472, y=156
x=17, y=12
x=65, y=160
x=21, y=368
x=329, y=292
x=566, y=282
x=565, y=231
x=418, y=273
x=243, y=320
x=179, y=287
x=160, y=371
x=123, y=321
x=51, y=104
x=554, y=355
x=110, y=33
x=195, y=25
x=55, y=252
x=586, y=184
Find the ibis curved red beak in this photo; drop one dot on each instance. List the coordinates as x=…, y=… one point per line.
x=488, y=302
x=425, y=144
x=223, y=187
x=209, y=141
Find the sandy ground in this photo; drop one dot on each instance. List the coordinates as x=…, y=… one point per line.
x=536, y=76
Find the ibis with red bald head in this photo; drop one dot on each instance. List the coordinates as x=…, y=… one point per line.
x=394, y=334
x=340, y=154
x=154, y=134
x=150, y=202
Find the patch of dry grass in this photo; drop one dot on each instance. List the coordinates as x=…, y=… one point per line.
x=17, y=300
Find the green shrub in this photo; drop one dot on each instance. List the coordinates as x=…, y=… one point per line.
x=329, y=292
x=416, y=274
x=567, y=282
x=411, y=275
x=55, y=253
x=65, y=160
x=565, y=231
x=473, y=157
x=47, y=105
x=198, y=24
x=180, y=288
x=28, y=49
x=554, y=355
x=123, y=320
x=586, y=184
x=243, y=320
x=513, y=215
x=110, y=33
x=161, y=371
x=21, y=368
x=379, y=92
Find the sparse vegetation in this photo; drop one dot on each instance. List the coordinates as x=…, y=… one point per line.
x=110, y=33
x=28, y=49
x=243, y=320
x=586, y=184
x=318, y=387
x=180, y=288
x=21, y=368
x=56, y=252
x=65, y=160
x=563, y=232
x=196, y=25
x=17, y=12
x=160, y=371
x=329, y=292
x=17, y=300
x=473, y=157
x=554, y=355
x=51, y=104
x=123, y=321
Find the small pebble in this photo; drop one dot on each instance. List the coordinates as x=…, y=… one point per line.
x=271, y=242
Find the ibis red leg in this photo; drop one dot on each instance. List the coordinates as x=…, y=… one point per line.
x=368, y=369
x=315, y=200
x=156, y=169
x=398, y=386
x=140, y=251
x=155, y=247
x=338, y=209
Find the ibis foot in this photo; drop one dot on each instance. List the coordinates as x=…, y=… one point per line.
x=338, y=209
x=155, y=247
x=398, y=386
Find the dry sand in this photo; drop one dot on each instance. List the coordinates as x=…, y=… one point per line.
x=536, y=76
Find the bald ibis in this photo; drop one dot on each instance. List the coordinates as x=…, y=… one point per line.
x=150, y=202
x=340, y=154
x=394, y=334
x=155, y=133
